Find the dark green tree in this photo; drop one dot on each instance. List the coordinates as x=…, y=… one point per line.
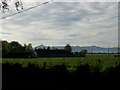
x=83, y=53
x=15, y=49
x=29, y=47
x=5, y=48
x=15, y=46
x=25, y=47
x=48, y=48
x=68, y=48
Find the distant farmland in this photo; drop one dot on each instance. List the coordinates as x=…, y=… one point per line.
x=102, y=60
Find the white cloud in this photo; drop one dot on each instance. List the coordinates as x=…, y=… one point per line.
x=61, y=23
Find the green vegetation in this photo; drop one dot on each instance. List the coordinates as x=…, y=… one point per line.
x=15, y=49
x=82, y=53
x=68, y=48
x=103, y=61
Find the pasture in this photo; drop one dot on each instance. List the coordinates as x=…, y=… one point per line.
x=103, y=61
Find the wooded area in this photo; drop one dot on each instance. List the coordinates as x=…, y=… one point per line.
x=15, y=50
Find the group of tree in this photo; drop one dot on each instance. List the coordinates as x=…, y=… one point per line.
x=66, y=52
x=53, y=53
x=82, y=53
x=15, y=50
x=49, y=52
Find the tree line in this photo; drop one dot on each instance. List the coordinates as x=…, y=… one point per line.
x=14, y=49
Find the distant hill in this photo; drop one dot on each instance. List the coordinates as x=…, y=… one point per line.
x=93, y=49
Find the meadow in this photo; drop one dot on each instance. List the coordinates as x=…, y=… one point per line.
x=101, y=60
x=61, y=73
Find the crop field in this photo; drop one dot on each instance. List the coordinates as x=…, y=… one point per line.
x=102, y=60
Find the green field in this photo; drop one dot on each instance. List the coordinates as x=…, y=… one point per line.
x=71, y=63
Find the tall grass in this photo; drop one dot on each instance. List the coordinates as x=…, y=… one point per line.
x=102, y=60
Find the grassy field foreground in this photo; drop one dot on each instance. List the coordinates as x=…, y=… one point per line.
x=101, y=60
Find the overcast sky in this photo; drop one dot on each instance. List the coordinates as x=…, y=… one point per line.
x=59, y=23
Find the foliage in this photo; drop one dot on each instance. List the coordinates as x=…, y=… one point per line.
x=4, y=5
x=53, y=53
x=82, y=53
x=15, y=49
x=68, y=48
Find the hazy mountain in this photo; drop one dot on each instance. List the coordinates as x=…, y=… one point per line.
x=93, y=49
x=40, y=46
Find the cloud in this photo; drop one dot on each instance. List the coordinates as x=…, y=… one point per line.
x=4, y=33
x=59, y=23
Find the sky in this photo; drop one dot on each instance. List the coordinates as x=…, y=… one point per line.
x=61, y=23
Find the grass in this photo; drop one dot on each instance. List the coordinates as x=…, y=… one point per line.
x=102, y=60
